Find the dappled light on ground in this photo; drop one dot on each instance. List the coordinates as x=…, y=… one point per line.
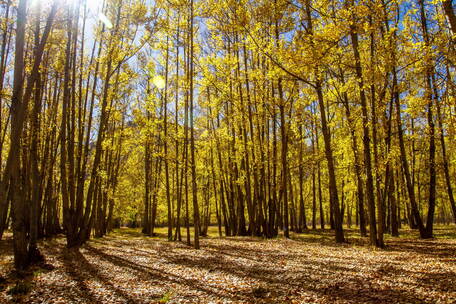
x=126, y=267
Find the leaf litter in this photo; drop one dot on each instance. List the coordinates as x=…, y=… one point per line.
x=130, y=268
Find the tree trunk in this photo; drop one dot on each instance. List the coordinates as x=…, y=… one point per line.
x=366, y=144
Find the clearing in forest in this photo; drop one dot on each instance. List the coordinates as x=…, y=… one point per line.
x=126, y=267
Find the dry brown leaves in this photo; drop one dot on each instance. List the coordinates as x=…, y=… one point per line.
x=307, y=269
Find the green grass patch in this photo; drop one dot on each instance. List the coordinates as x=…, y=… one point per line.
x=166, y=297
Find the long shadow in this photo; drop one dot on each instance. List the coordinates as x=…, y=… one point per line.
x=430, y=247
x=340, y=282
x=79, y=269
x=442, y=281
x=159, y=276
x=269, y=255
x=225, y=255
x=302, y=279
x=71, y=267
x=316, y=268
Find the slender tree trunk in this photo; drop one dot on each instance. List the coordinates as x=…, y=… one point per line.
x=34, y=254
x=392, y=200
x=432, y=147
x=192, y=139
x=284, y=164
x=415, y=215
x=358, y=169
x=18, y=208
x=446, y=165
x=331, y=169
x=302, y=223
x=366, y=144
x=165, y=142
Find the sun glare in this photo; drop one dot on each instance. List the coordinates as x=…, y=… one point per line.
x=105, y=20
x=92, y=5
x=94, y=8
x=159, y=82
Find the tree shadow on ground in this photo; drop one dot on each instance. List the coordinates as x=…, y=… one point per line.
x=431, y=247
x=81, y=270
x=349, y=288
x=157, y=276
x=225, y=259
x=331, y=275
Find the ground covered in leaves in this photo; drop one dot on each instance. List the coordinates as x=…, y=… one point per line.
x=127, y=267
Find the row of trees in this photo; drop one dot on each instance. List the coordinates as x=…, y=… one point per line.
x=64, y=116
x=260, y=116
x=339, y=109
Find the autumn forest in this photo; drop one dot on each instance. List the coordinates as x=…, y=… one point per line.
x=227, y=151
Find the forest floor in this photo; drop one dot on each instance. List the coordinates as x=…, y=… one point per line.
x=127, y=267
